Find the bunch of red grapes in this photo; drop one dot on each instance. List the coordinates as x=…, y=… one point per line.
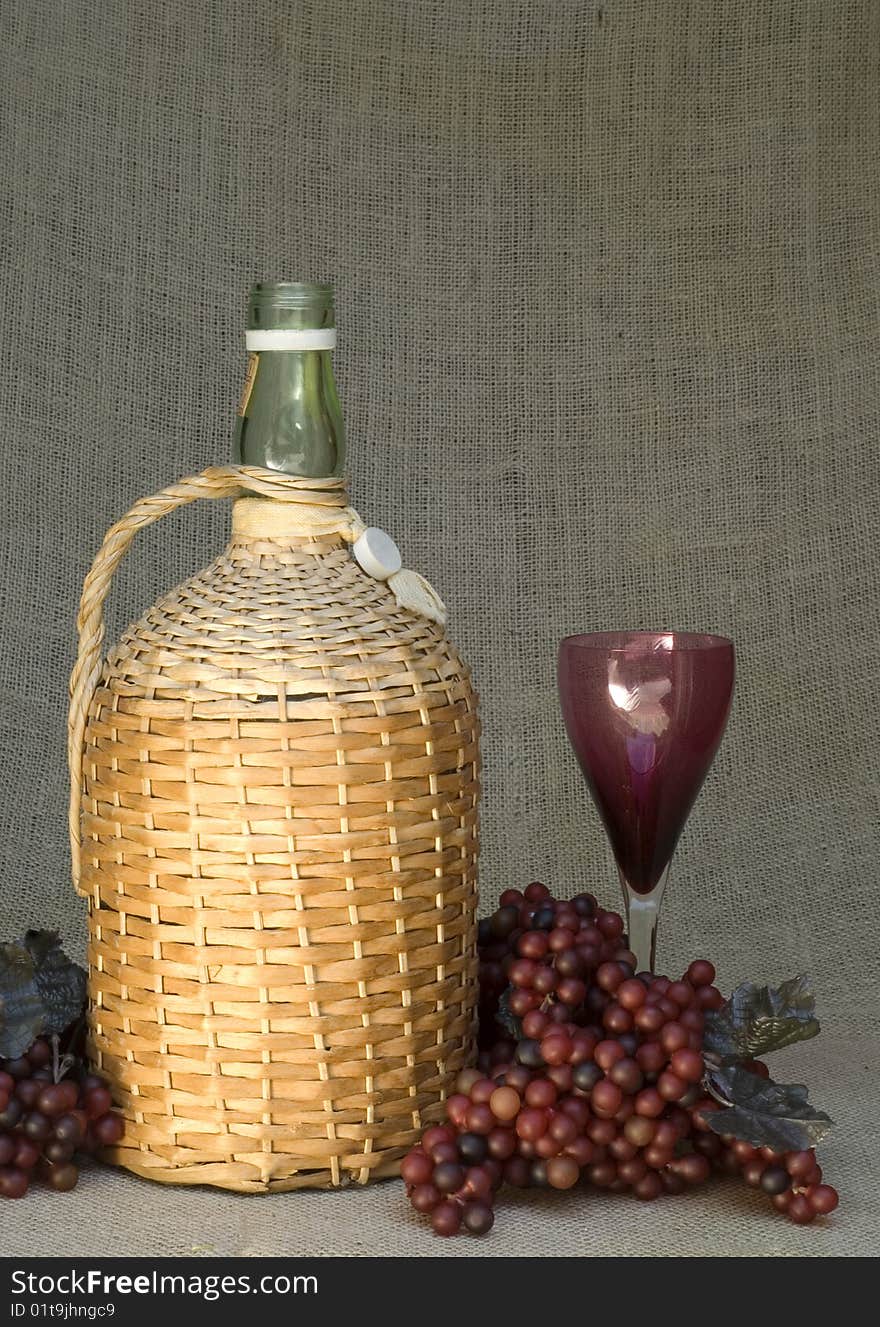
x=605, y=1084
x=45, y=1124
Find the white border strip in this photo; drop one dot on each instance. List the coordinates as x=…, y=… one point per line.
x=318, y=338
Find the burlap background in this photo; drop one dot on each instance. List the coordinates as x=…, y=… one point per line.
x=607, y=284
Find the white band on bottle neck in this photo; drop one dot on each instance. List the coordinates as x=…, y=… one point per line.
x=313, y=338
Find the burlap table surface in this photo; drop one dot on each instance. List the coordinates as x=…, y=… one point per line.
x=608, y=287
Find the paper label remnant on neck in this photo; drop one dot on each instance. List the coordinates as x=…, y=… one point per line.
x=250, y=377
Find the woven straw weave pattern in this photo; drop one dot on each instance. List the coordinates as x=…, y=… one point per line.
x=279, y=842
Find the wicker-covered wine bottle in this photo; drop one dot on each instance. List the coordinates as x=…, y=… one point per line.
x=274, y=783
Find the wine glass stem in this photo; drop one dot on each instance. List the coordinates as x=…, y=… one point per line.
x=642, y=913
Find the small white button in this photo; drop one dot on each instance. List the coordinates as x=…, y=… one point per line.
x=377, y=553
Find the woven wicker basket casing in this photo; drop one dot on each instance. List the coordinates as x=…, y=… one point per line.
x=274, y=820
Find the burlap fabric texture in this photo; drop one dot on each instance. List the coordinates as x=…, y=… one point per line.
x=607, y=283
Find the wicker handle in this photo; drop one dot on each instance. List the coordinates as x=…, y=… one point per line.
x=220, y=482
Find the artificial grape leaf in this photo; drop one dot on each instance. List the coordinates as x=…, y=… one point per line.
x=511, y=1024
x=764, y=1113
x=759, y=1019
x=21, y=1009
x=60, y=982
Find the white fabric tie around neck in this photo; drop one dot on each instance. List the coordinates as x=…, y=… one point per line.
x=310, y=338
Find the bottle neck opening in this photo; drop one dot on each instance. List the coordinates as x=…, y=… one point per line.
x=291, y=306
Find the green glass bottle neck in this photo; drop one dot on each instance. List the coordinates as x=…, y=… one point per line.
x=289, y=416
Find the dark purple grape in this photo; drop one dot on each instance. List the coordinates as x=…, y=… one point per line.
x=538, y=1174
x=584, y=905
x=693, y=1168
x=108, y=1130
x=28, y=1090
x=18, y=1068
x=627, y=1075
x=97, y=1102
x=602, y=1174
x=621, y=1148
x=518, y=1172
x=68, y=1129
x=473, y=1147
x=544, y=919
x=775, y=1179
x=569, y=963
x=672, y=1183
x=40, y=1054
x=528, y=1053
x=649, y=1187
x=585, y=1076
x=448, y=1177
x=478, y=1218
x=503, y=922
x=501, y=1144
x=54, y=1099
x=27, y=1154
x=37, y=1127
x=56, y=1151
x=7, y=1148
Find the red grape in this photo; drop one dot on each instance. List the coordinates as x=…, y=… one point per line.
x=417, y=1167
x=701, y=973
x=562, y=1172
x=800, y=1210
x=425, y=1197
x=687, y=1064
x=446, y=1218
x=505, y=1104
x=13, y=1182
x=823, y=1199
x=606, y=1098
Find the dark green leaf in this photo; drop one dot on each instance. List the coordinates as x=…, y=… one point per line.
x=21, y=1009
x=511, y=1024
x=759, y=1019
x=61, y=983
x=764, y=1113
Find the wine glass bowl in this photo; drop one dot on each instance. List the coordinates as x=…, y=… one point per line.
x=645, y=713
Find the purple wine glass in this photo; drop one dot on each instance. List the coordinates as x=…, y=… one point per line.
x=645, y=713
